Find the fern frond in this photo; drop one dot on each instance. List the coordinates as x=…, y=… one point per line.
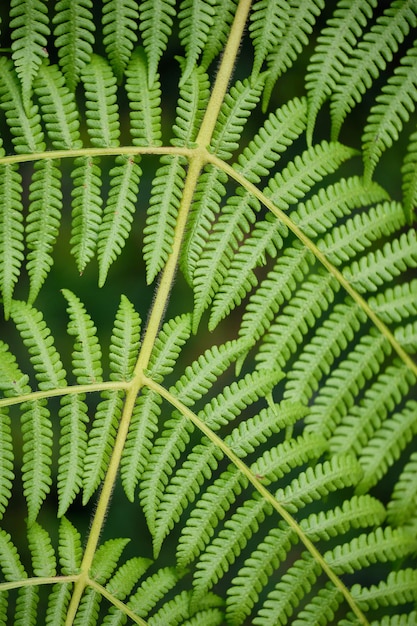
x=58, y=106
x=37, y=455
x=371, y=56
x=11, y=564
x=193, y=98
x=400, y=587
x=125, y=341
x=396, y=303
x=74, y=37
x=217, y=35
x=386, y=445
x=279, y=131
x=69, y=548
x=127, y=575
x=120, y=18
x=86, y=356
x=156, y=26
x=43, y=222
x=267, y=24
x=167, y=347
x=322, y=609
x=37, y=338
x=6, y=460
x=288, y=592
x=11, y=232
x=335, y=45
x=29, y=30
x=409, y=174
x=165, y=200
x=375, y=268
x=118, y=213
x=299, y=24
x=320, y=212
x=106, y=559
x=238, y=103
x=101, y=103
x=42, y=552
x=12, y=381
x=26, y=606
x=393, y=109
x=101, y=441
x=196, y=18
x=407, y=337
x=152, y=590
x=86, y=210
x=57, y=603
x=144, y=102
x=73, y=446
x=89, y=607
x=403, y=505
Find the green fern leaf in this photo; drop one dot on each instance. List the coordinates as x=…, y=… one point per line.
x=126, y=577
x=58, y=107
x=400, y=587
x=370, y=57
x=144, y=102
x=88, y=610
x=375, y=268
x=11, y=564
x=396, y=303
x=407, y=337
x=392, y=111
x=118, y=213
x=335, y=45
x=267, y=25
x=120, y=18
x=106, y=559
x=156, y=26
x=408, y=171
x=322, y=609
x=86, y=210
x=12, y=381
x=172, y=336
x=403, y=506
x=125, y=341
x=101, y=441
x=86, y=356
x=74, y=37
x=42, y=552
x=217, y=35
x=152, y=590
x=69, y=548
x=101, y=103
x=30, y=29
x=26, y=606
x=193, y=98
x=37, y=338
x=299, y=24
x=73, y=446
x=6, y=460
x=196, y=18
x=57, y=603
x=43, y=222
x=11, y=232
x=36, y=429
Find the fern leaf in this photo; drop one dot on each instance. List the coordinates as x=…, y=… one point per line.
x=400, y=587
x=392, y=111
x=396, y=303
x=74, y=37
x=322, y=609
x=193, y=98
x=86, y=356
x=101, y=441
x=176, y=610
x=37, y=338
x=318, y=356
x=101, y=103
x=316, y=482
x=11, y=232
x=165, y=200
x=144, y=102
x=86, y=210
x=156, y=26
x=118, y=213
x=196, y=18
x=11, y=564
x=320, y=212
x=407, y=337
x=25, y=127
x=375, y=268
x=12, y=381
x=288, y=592
x=42, y=552
x=403, y=505
x=236, y=108
x=127, y=575
x=358, y=233
x=279, y=131
x=152, y=590
x=43, y=222
x=377, y=546
x=358, y=512
x=57, y=603
x=58, y=106
x=409, y=174
x=386, y=445
x=73, y=447
x=371, y=56
x=29, y=29
x=120, y=18
x=125, y=341
x=89, y=608
x=26, y=606
x=228, y=545
x=167, y=347
x=69, y=548
x=106, y=559
x=37, y=454
x=256, y=571
x=298, y=26
x=267, y=24
x=334, y=47
x=217, y=35
x=6, y=460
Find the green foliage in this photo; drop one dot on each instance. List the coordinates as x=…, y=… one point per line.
x=209, y=313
